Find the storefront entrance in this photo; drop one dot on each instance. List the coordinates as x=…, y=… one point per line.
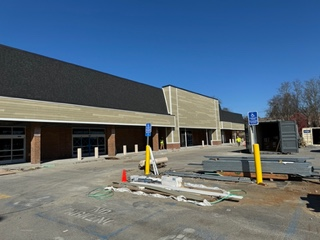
x=87, y=139
x=12, y=145
x=186, y=138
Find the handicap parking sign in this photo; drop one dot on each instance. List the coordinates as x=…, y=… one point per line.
x=253, y=118
x=148, y=130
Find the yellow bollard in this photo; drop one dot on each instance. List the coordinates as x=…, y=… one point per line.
x=147, y=162
x=257, y=162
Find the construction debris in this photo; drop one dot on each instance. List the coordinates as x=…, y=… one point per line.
x=172, y=186
x=159, y=161
x=146, y=192
x=209, y=176
x=146, y=179
x=171, y=181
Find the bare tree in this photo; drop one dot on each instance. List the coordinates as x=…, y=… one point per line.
x=275, y=107
x=297, y=98
x=297, y=95
x=286, y=103
x=311, y=102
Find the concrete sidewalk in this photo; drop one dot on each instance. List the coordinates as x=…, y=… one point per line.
x=132, y=156
x=225, y=149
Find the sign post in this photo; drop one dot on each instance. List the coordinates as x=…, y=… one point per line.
x=148, y=131
x=253, y=121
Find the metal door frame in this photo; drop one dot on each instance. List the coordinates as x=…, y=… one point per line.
x=13, y=136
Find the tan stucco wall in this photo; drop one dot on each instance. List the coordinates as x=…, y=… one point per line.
x=232, y=126
x=192, y=111
x=15, y=109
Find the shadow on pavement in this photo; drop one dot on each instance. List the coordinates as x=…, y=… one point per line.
x=313, y=201
x=315, y=150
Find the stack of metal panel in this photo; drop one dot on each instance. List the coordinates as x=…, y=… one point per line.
x=269, y=164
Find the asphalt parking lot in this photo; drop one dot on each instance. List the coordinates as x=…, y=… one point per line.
x=54, y=200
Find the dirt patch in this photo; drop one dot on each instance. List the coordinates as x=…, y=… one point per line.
x=290, y=193
x=6, y=172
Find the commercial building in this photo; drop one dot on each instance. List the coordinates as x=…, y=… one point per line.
x=49, y=109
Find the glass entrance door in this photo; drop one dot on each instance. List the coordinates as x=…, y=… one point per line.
x=185, y=138
x=87, y=139
x=12, y=145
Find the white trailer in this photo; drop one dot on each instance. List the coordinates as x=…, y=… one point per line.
x=311, y=136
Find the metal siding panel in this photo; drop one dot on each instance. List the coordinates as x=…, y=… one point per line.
x=302, y=169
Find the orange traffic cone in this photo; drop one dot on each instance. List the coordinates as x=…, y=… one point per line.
x=124, y=176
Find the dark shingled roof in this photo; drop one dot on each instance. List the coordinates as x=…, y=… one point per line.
x=32, y=76
x=226, y=116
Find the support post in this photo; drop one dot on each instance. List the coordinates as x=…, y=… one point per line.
x=257, y=161
x=124, y=149
x=155, y=139
x=136, y=148
x=36, y=144
x=96, y=152
x=79, y=151
x=147, y=162
x=148, y=133
x=111, y=141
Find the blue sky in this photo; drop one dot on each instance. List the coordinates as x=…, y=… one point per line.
x=238, y=51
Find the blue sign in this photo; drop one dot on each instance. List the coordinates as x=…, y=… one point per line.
x=148, y=129
x=253, y=118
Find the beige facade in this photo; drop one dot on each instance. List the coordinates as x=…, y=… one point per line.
x=192, y=112
x=230, y=131
x=16, y=109
x=232, y=126
x=193, y=119
x=50, y=109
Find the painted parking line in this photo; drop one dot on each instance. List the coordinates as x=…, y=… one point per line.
x=4, y=196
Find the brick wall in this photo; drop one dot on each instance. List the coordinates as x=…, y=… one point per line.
x=173, y=145
x=56, y=143
x=130, y=136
